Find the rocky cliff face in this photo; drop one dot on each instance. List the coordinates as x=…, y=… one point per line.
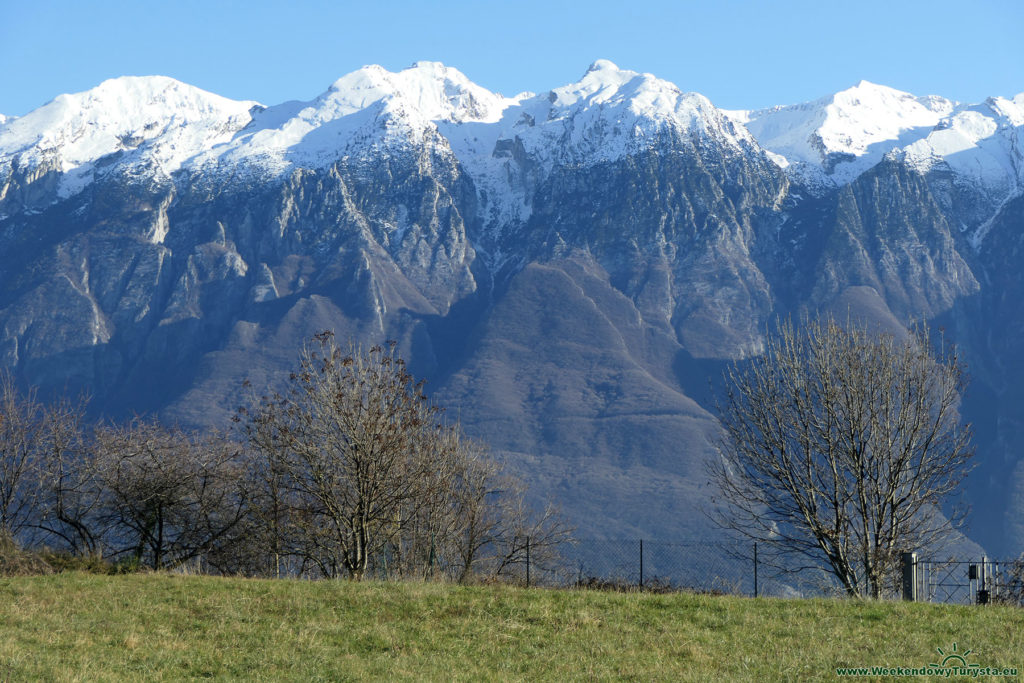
x=568, y=269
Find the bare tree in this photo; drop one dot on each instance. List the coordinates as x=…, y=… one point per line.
x=348, y=449
x=495, y=528
x=840, y=447
x=168, y=496
x=20, y=435
x=70, y=490
x=472, y=521
x=1009, y=586
x=163, y=494
x=358, y=472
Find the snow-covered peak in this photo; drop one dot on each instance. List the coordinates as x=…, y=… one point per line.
x=608, y=114
x=364, y=110
x=833, y=140
x=121, y=114
x=868, y=114
x=611, y=112
x=88, y=124
x=836, y=138
x=603, y=65
x=616, y=92
x=980, y=143
x=1011, y=109
x=166, y=125
x=603, y=79
x=433, y=91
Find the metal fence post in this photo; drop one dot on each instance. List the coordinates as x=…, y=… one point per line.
x=527, y=561
x=983, y=592
x=755, y=569
x=641, y=563
x=909, y=576
x=432, y=556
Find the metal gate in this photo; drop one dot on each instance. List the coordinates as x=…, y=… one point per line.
x=968, y=582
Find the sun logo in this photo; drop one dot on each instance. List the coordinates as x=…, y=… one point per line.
x=954, y=658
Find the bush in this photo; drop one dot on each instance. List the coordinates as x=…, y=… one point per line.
x=64, y=561
x=17, y=562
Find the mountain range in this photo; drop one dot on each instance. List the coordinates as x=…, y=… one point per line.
x=570, y=270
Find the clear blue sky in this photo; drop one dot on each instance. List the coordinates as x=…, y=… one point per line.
x=740, y=54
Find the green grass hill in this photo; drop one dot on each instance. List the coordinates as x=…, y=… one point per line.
x=84, y=627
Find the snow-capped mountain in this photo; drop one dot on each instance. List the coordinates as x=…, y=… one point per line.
x=567, y=268
x=363, y=113
x=158, y=126
x=158, y=123
x=609, y=114
x=982, y=143
x=153, y=127
x=836, y=138
x=831, y=141
x=169, y=126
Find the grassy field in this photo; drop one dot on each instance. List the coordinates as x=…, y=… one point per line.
x=85, y=627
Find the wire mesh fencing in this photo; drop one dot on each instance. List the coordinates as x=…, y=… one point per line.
x=745, y=568
x=732, y=567
x=717, y=567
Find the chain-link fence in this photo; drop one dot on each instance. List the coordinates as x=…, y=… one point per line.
x=731, y=567
x=744, y=568
x=725, y=567
x=664, y=565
